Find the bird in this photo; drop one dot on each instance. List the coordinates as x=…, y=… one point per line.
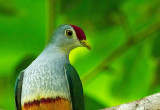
x=50, y=82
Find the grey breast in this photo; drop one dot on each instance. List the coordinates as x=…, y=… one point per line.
x=44, y=78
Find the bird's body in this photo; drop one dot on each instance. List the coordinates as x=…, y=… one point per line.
x=50, y=82
x=42, y=79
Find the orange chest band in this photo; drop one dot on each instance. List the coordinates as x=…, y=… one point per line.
x=48, y=104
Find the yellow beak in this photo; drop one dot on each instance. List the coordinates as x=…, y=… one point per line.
x=85, y=44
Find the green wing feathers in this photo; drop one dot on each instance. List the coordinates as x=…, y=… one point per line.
x=18, y=89
x=75, y=87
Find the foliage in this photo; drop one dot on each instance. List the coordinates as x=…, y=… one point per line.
x=130, y=74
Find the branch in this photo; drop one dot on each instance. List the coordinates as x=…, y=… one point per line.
x=148, y=103
x=145, y=33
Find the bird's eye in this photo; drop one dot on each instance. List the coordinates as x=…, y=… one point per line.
x=69, y=33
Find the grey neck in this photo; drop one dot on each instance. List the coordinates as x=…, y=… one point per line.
x=52, y=52
x=51, y=55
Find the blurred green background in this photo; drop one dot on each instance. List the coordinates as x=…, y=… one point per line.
x=123, y=65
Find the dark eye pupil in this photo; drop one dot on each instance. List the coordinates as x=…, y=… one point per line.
x=69, y=33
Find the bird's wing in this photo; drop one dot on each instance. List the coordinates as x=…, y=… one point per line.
x=75, y=87
x=18, y=89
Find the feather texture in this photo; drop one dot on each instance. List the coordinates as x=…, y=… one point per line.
x=44, y=78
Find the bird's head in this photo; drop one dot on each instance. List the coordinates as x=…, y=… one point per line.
x=68, y=37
